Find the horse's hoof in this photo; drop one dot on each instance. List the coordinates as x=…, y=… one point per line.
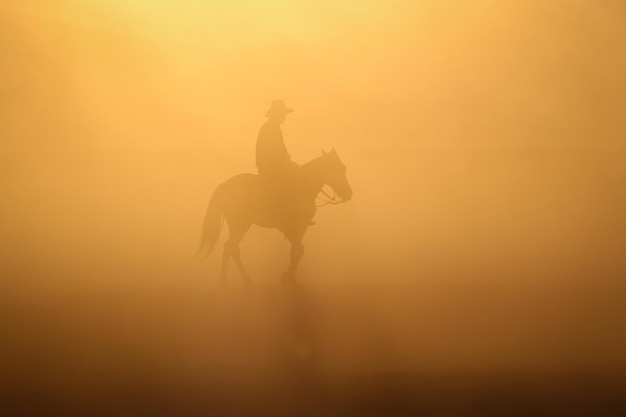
x=287, y=278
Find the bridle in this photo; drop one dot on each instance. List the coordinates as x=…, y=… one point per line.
x=329, y=199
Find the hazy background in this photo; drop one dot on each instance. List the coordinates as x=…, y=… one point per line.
x=484, y=140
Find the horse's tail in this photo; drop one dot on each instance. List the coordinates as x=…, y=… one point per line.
x=212, y=223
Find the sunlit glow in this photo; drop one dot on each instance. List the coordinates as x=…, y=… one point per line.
x=484, y=141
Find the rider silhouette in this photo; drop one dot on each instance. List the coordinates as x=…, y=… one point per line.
x=272, y=159
x=276, y=169
x=278, y=173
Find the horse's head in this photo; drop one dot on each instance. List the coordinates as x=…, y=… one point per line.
x=334, y=174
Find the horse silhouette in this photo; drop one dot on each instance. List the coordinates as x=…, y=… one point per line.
x=247, y=199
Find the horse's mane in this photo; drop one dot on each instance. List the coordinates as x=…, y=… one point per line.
x=313, y=162
x=316, y=161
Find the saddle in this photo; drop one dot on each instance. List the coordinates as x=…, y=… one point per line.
x=280, y=196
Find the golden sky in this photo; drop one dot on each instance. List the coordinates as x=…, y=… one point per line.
x=472, y=131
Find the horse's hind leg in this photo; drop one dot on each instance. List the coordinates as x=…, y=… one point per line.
x=225, y=258
x=231, y=248
x=242, y=269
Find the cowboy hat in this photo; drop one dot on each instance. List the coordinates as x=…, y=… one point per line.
x=278, y=107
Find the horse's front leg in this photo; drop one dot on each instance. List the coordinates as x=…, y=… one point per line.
x=297, y=250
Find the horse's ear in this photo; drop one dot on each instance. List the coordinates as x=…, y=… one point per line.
x=333, y=151
x=323, y=151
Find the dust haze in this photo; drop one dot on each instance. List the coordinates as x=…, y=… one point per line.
x=485, y=144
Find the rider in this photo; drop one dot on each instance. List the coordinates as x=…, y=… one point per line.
x=276, y=169
x=272, y=159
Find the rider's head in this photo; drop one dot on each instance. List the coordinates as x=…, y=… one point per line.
x=278, y=111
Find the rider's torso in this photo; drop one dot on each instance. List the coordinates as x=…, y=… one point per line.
x=271, y=153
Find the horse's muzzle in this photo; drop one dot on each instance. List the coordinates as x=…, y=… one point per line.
x=347, y=196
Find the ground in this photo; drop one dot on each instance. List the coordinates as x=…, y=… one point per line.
x=130, y=349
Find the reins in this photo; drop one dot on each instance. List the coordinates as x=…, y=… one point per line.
x=330, y=199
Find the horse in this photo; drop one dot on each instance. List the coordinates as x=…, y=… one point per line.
x=246, y=199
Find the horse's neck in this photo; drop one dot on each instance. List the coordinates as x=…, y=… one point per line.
x=312, y=175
